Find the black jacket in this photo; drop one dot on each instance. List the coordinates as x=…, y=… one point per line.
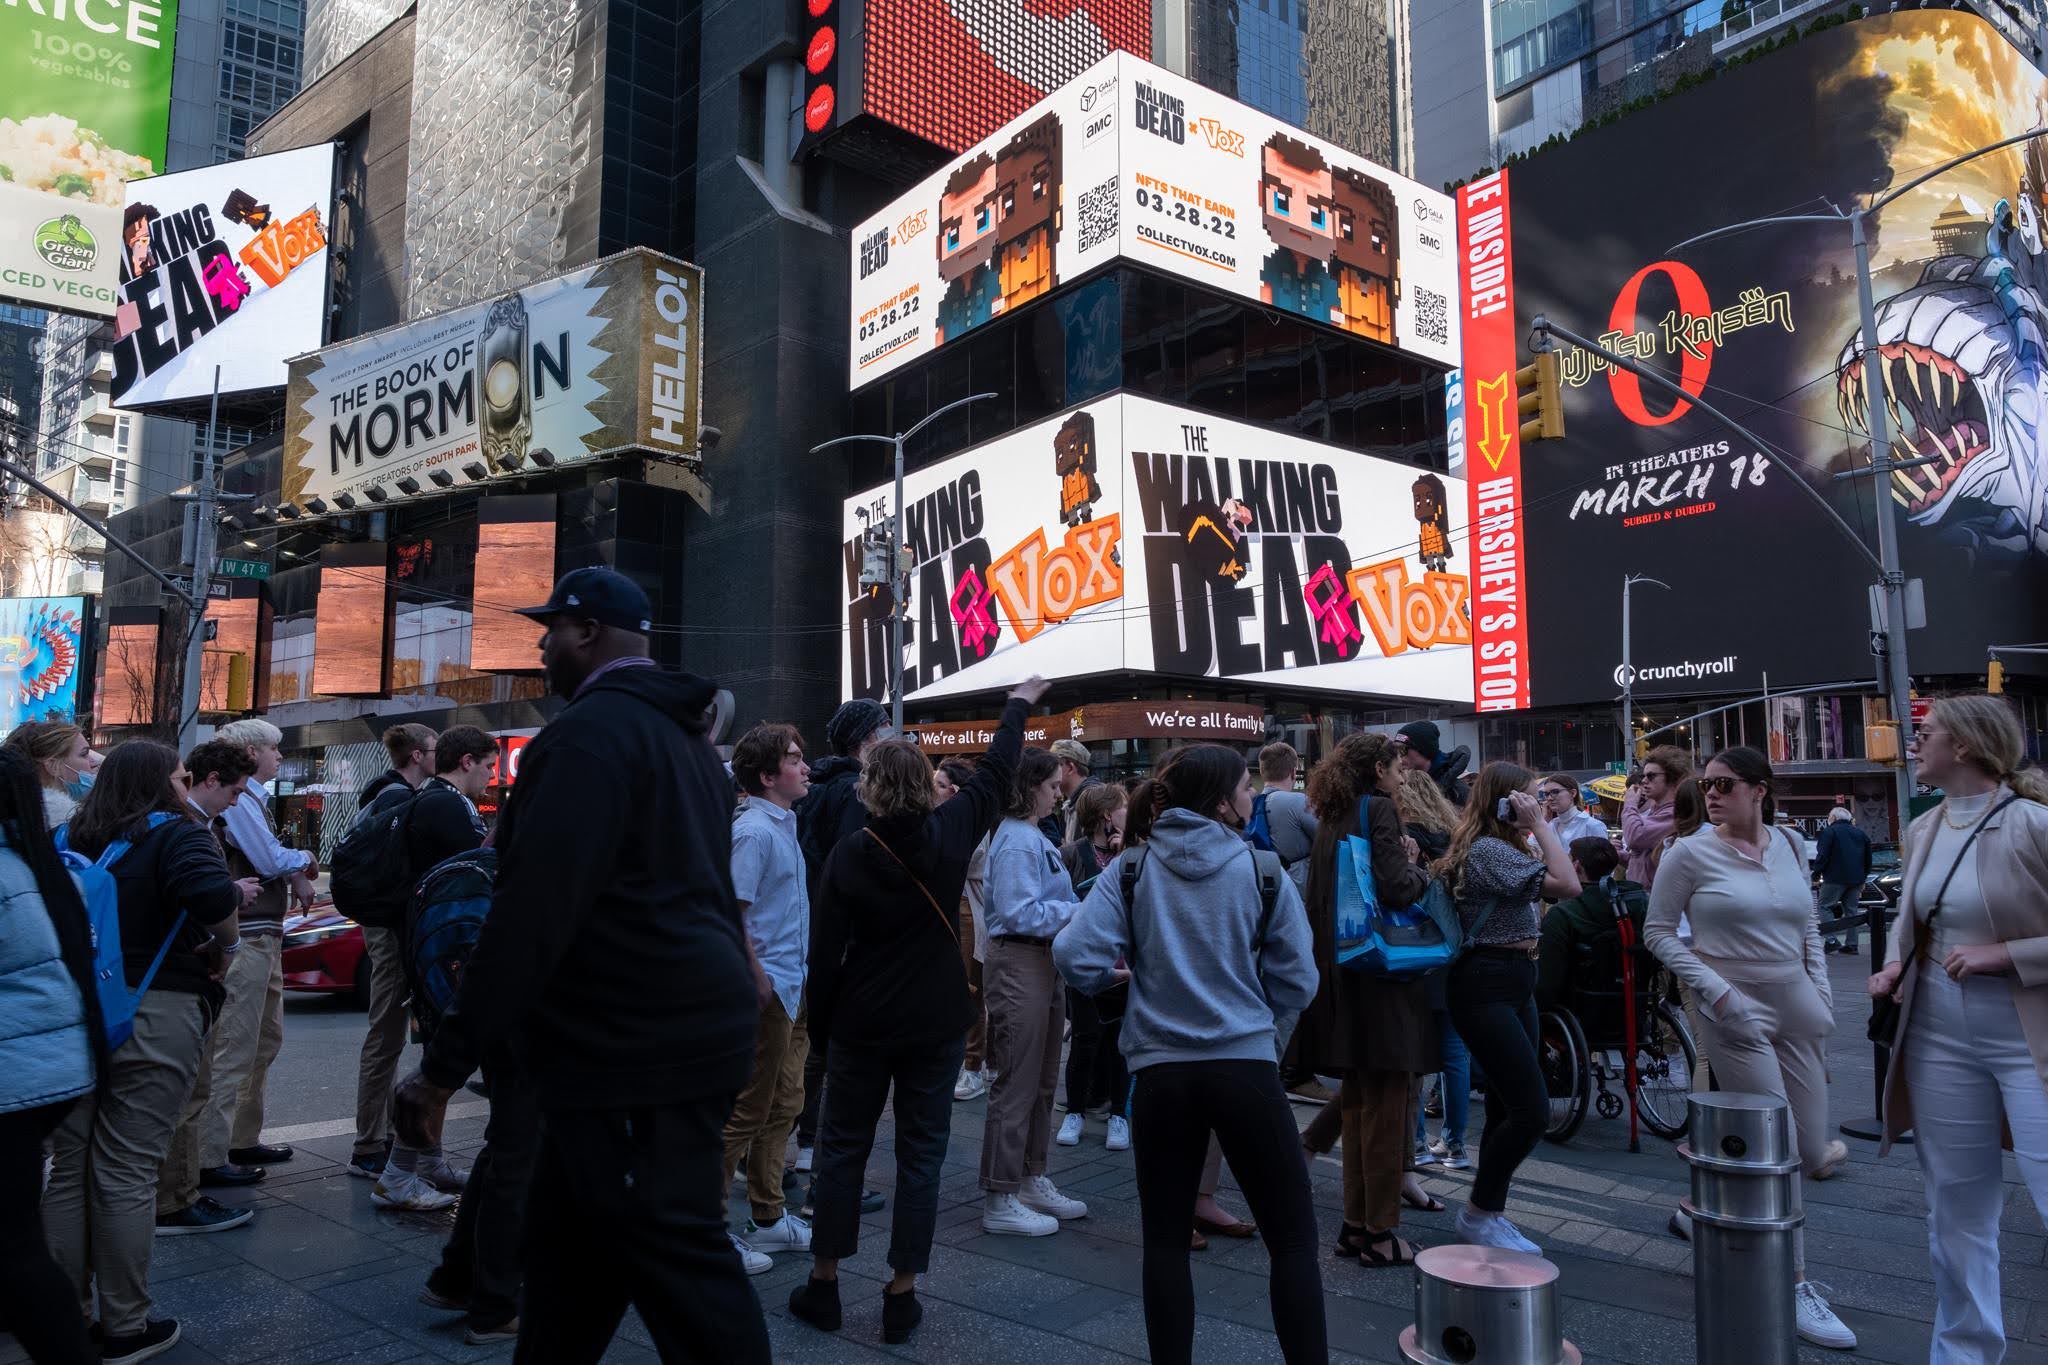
x=439, y=826
x=177, y=866
x=1842, y=857
x=612, y=956
x=1448, y=772
x=885, y=965
x=828, y=813
x=383, y=781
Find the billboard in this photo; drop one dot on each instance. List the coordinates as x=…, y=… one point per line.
x=1132, y=535
x=42, y=658
x=1765, y=325
x=223, y=266
x=1133, y=162
x=601, y=360
x=85, y=104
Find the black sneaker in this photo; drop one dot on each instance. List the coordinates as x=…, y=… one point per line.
x=204, y=1215
x=371, y=1166
x=153, y=1340
x=817, y=1302
x=900, y=1315
x=230, y=1176
x=873, y=1201
x=262, y=1154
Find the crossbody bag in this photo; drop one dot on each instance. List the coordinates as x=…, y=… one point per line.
x=1884, y=1011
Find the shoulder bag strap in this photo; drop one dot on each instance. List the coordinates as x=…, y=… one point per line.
x=1130, y=863
x=928, y=898
x=1957, y=865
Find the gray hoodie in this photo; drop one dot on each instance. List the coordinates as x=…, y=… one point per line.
x=1201, y=989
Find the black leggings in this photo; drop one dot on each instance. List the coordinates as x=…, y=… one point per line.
x=37, y=1304
x=1493, y=1006
x=1095, y=1063
x=1177, y=1106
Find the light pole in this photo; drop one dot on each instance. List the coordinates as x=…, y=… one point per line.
x=899, y=583
x=1628, y=666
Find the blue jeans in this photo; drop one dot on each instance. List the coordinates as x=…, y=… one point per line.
x=1457, y=1084
x=857, y=1081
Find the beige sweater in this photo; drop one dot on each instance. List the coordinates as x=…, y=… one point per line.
x=1740, y=910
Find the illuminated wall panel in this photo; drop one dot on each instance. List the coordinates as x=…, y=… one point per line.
x=515, y=567
x=127, y=690
x=352, y=630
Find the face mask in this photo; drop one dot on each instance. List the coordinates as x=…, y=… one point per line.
x=78, y=786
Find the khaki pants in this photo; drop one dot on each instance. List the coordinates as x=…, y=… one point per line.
x=99, y=1209
x=977, y=1031
x=758, y=1131
x=177, y=1180
x=1026, y=1011
x=1378, y=1108
x=383, y=1044
x=245, y=1041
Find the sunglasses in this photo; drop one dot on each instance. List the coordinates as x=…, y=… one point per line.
x=1720, y=785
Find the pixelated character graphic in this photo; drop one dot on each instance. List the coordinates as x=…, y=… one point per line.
x=1433, y=517
x=967, y=245
x=1299, y=209
x=241, y=207
x=1216, y=537
x=1073, y=458
x=1368, y=254
x=1028, y=211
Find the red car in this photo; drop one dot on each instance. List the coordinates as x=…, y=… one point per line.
x=323, y=955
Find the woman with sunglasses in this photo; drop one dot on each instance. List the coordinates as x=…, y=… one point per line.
x=1756, y=966
x=1969, y=969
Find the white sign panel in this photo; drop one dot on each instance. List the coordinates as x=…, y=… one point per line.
x=1133, y=535
x=223, y=266
x=1132, y=161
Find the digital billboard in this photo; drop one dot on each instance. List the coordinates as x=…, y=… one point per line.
x=43, y=646
x=592, y=363
x=352, y=632
x=1763, y=587
x=85, y=105
x=1132, y=162
x=224, y=266
x=515, y=567
x=1132, y=535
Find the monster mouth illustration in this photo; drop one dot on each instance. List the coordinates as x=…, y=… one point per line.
x=1936, y=412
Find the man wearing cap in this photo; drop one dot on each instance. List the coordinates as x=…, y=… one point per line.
x=1421, y=747
x=615, y=961
x=1075, y=761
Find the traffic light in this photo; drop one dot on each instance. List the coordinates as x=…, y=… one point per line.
x=1540, y=397
x=874, y=560
x=1994, y=678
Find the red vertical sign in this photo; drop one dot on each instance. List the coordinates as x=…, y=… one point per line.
x=1493, y=461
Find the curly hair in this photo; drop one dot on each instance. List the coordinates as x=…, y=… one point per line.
x=1422, y=802
x=895, y=781
x=757, y=758
x=1034, y=769
x=1350, y=771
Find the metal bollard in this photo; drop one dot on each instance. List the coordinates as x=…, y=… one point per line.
x=1483, y=1306
x=1746, y=1209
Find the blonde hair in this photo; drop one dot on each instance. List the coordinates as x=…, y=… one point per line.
x=1421, y=802
x=895, y=780
x=1987, y=736
x=251, y=732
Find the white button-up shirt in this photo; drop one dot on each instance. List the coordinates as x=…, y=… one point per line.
x=768, y=877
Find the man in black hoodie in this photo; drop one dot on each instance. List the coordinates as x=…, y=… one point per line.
x=615, y=961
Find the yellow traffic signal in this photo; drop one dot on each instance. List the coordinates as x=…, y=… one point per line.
x=1540, y=398
x=1994, y=678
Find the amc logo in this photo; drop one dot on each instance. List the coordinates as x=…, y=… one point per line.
x=913, y=225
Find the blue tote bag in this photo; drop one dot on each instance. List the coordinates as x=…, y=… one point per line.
x=1378, y=940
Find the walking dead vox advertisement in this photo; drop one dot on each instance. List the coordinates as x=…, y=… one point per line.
x=1764, y=325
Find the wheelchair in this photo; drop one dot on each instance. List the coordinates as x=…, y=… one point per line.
x=1585, y=1047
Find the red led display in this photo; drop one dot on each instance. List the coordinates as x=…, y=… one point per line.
x=954, y=71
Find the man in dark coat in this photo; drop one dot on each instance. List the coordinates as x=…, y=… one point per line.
x=1843, y=861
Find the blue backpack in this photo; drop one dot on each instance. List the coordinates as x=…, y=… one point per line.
x=1257, y=832
x=442, y=925
x=102, y=897
x=1378, y=940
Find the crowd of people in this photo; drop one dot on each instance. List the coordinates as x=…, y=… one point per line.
x=744, y=963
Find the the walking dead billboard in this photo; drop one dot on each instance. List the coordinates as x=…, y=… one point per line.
x=1764, y=325
x=1131, y=535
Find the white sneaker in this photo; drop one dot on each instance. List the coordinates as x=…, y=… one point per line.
x=1817, y=1322
x=1038, y=1192
x=787, y=1233
x=972, y=1085
x=397, y=1189
x=443, y=1174
x=754, y=1262
x=1070, y=1131
x=803, y=1160
x=1119, y=1134
x=1681, y=1225
x=1494, y=1230
x=1005, y=1215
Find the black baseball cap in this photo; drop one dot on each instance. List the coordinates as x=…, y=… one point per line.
x=1421, y=736
x=597, y=594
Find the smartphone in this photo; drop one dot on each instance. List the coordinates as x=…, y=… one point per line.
x=1504, y=809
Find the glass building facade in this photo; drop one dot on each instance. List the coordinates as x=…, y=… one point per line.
x=1322, y=65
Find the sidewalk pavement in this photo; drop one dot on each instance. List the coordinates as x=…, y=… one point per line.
x=320, y=1275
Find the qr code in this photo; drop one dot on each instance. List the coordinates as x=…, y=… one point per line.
x=1098, y=214
x=1432, y=316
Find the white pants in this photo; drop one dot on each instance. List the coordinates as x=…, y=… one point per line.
x=1967, y=1064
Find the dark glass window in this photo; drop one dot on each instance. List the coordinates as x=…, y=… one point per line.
x=1216, y=366
x=1042, y=363
x=1092, y=317
x=1272, y=364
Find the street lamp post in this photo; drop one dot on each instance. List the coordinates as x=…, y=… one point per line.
x=899, y=583
x=1628, y=665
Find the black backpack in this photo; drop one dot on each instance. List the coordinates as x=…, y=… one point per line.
x=369, y=875
x=444, y=919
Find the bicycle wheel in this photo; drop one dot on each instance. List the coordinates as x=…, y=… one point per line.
x=1567, y=1072
x=1665, y=1058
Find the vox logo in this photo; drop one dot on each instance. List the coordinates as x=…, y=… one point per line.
x=1404, y=615
x=1039, y=586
